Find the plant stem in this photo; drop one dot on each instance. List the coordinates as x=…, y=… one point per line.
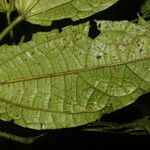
x=140, y=126
x=25, y=140
x=20, y=139
x=9, y=22
x=10, y=27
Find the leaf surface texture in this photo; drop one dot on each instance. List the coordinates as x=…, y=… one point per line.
x=67, y=79
x=43, y=12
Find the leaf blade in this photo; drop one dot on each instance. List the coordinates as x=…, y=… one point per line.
x=143, y=22
x=66, y=79
x=4, y=6
x=43, y=12
x=145, y=8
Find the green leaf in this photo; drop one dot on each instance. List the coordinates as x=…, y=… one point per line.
x=143, y=22
x=145, y=8
x=5, y=6
x=67, y=79
x=43, y=12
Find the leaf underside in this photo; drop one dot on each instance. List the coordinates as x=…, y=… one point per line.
x=5, y=6
x=143, y=22
x=67, y=79
x=43, y=12
x=145, y=8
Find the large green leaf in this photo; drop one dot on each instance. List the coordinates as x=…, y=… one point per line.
x=4, y=5
x=145, y=8
x=43, y=12
x=143, y=22
x=67, y=79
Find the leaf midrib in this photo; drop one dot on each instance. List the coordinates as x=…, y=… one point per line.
x=58, y=74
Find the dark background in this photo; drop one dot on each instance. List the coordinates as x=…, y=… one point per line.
x=75, y=138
